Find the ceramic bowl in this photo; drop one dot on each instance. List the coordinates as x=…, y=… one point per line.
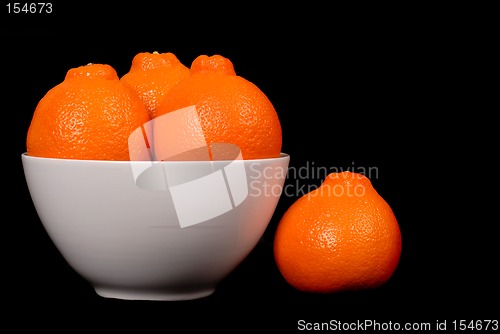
x=155, y=230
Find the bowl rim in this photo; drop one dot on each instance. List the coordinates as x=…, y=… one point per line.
x=25, y=156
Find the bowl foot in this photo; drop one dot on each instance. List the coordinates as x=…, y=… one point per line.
x=137, y=294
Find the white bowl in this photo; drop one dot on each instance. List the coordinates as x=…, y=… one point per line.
x=169, y=230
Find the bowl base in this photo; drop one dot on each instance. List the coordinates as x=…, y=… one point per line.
x=135, y=294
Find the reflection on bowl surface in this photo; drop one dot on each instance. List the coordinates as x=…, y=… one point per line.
x=163, y=230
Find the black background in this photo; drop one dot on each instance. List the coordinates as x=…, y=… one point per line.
x=363, y=87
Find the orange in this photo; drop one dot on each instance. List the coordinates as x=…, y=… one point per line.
x=230, y=108
x=342, y=236
x=89, y=115
x=152, y=75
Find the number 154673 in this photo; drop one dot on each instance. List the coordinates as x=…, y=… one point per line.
x=29, y=7
x=478, y=325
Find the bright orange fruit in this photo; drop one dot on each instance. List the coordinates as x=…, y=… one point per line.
x=341, y=236
x=230, y=108
x=152, y=75
x=89, y=115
